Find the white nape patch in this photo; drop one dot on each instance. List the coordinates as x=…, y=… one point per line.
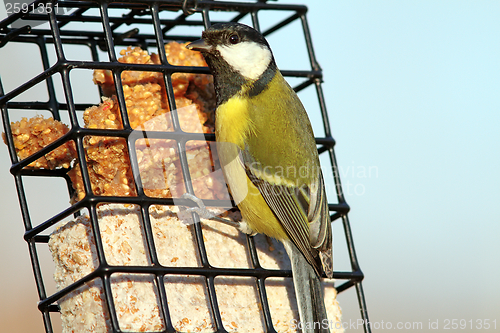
x=250, y=59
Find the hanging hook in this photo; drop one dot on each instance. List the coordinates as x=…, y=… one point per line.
x=188, y=11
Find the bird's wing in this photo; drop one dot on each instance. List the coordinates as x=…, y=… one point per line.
x=320, y=225
x=298, y=211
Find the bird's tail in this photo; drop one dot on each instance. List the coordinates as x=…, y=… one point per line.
x=308, y=291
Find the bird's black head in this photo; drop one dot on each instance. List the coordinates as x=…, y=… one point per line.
x=238, y=56
x=235, y=47
x=230, y=33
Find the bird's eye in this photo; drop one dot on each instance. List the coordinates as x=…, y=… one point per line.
x=234, y=39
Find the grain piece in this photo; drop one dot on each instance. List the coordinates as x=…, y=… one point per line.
x=177, y=55
x=32, y=135
x=159, y=168
x=143, y=102
x=108, y=168
x=131, y=55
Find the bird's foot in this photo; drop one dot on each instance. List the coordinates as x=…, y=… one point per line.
x=204, y=213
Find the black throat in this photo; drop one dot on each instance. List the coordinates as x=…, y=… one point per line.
x=229, y=82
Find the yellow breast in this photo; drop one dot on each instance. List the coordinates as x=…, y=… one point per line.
x=233, y=126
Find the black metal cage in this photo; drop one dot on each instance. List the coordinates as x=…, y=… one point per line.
x=111, y=24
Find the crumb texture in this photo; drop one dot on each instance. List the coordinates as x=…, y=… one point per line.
x=136, y=296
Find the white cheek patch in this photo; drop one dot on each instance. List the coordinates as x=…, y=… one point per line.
x=248, y=58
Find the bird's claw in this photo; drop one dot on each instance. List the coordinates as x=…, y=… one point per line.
x=203, y=212
x=201, y=209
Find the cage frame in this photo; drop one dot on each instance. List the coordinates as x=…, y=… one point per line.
x=108, y=39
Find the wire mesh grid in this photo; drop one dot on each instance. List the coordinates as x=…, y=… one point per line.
x=122, y=24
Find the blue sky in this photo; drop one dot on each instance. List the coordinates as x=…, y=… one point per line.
x=412, y=89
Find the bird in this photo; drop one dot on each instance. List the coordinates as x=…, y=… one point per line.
x=269, y=158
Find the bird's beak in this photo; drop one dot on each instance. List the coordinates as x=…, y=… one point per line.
x=198, y=45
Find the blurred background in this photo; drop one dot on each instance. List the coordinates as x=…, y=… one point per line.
x=412, y=89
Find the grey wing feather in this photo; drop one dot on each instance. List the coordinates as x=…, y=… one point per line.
x=320, y=225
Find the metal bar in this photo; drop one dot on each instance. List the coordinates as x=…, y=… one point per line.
x=116, y=71
x=281, y=24
x=52, y=103
x=261, y=288
x=164, y=308
x=362, y=307
x=8, y=130
x=261, y=285
x=26, y=86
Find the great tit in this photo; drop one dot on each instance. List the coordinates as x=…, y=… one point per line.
x=269, y=158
